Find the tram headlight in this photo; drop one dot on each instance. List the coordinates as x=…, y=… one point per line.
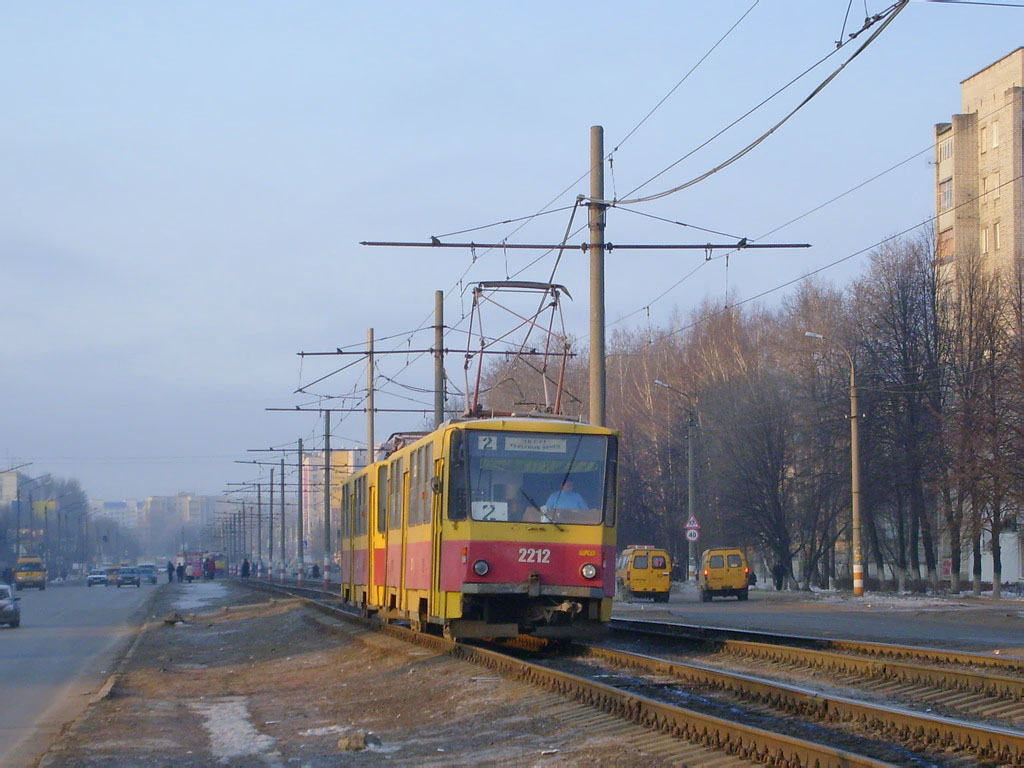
x=481, y=568
x=589, y=571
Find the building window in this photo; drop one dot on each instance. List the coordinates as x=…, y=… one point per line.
x=984, y=139
x=945, y=245
x=994, y=185
x=984, y=239
x=995, y=235
x=995, y=135
x=946, y=195
x=945, y=150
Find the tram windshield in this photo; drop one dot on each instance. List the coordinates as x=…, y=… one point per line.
x=535, y=477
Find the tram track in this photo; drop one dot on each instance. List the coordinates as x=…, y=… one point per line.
x=951, y=681
x=682, y=735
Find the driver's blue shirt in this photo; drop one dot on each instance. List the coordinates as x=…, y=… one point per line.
x=566, y=500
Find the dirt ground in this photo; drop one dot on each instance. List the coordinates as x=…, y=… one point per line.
x=264, y=683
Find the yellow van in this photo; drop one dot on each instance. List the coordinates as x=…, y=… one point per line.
x=29, y=571
x=723, y=572
x=644, y=571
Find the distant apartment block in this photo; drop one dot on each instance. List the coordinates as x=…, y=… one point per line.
x=343, y=462
x=979, y=159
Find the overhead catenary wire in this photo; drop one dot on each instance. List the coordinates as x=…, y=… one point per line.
x=886, y=18
x=715, y=257
x=831, y=264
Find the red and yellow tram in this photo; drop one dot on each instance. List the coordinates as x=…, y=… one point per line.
x=485, y=528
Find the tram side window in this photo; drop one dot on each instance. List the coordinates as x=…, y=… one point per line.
x=458, y=481
x=395, y=506
x=640, y=562
x=426, y=470
x=382, y=499
x=360, y=510
x=344, y=511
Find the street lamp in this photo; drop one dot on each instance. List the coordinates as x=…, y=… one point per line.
x=691, y=496
x=858, y=564
x=17, y=493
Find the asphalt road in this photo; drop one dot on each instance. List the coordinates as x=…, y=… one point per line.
x=963, y=623
x=61, y=653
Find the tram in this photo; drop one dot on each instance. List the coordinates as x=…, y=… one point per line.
x=485, y=528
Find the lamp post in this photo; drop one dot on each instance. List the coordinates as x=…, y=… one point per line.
x=17, y=493
x=858, y=563
x=691, y=496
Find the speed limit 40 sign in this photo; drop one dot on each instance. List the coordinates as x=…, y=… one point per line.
x=692, y=534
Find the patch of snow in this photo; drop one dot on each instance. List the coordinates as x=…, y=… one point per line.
x=199, y=594
x=231, y=734
x=329, y=730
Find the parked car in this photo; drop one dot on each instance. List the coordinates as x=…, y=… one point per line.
x=96, y=576
x=148, y=572
x=129, y=576
x=10, y=613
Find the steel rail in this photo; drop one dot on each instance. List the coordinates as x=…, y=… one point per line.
x=868, y=648
x=730, y=737
x=1003, y=686
x=1002, y=745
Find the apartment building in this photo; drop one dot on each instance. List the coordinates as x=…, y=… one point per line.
x=979, y=160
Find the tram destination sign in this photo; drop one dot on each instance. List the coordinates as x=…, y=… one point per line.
x=535, y=444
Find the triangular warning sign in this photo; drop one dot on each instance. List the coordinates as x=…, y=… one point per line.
x=691, y=522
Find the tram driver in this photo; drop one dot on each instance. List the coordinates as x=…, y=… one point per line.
x=567, y=503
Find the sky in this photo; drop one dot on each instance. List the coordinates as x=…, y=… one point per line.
x=184, y=186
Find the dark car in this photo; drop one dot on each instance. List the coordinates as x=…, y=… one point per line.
x=10, y=612
x=148, y=572
x=128, y=576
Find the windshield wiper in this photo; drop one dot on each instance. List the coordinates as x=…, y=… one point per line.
x=537, y=506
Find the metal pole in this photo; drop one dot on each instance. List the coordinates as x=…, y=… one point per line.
x=858, y=565
x=596, y=247
x=327, y=499
x=259, y=527
x=284, y=566
x=17, y=520
x=691, y=496
x=300, y=533
x=369, y=397
x=270, y=529
x=438, y=358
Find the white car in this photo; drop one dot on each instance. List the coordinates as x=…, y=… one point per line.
x=96, y=576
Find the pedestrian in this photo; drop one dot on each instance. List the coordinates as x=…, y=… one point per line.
x=188, y=573
x=8, y=576
x=212, y=568
x=779, y=575
x=315, y=572
x=170, y=571
x=245, y=568
x=180, y=571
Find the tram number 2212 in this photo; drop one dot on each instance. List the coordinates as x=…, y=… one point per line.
x=531, y=555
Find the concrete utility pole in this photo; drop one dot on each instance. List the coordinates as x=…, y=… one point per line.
x=327, y=499
x=858, y=564
x=302, y=492
x=259, y=526
x=270, y=529
x=438, y=358
x=691, y=494
x=596, y=248
x=857, y=569
x=284, y=564
x=369, y=397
